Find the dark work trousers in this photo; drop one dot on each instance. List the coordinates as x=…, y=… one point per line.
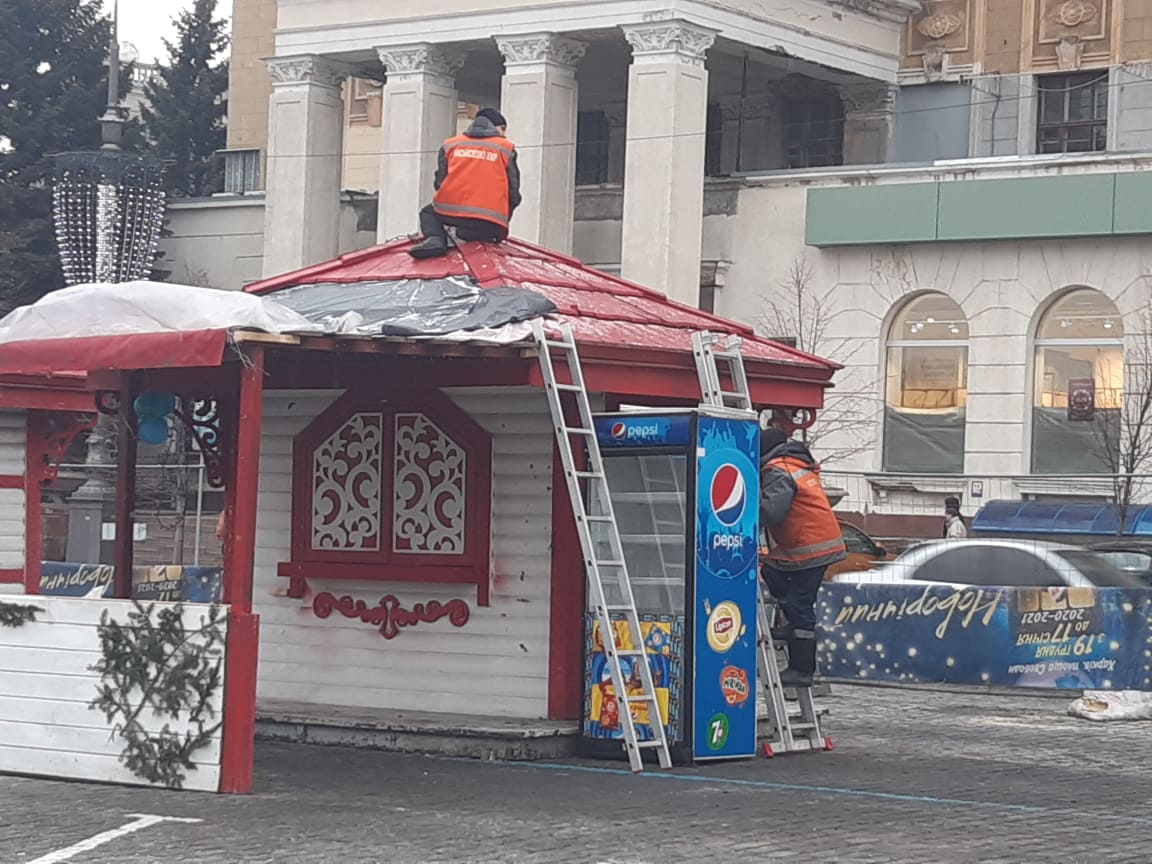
x=432, y=225
x=795, y=591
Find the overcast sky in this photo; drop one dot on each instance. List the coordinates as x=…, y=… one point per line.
x=145, y=23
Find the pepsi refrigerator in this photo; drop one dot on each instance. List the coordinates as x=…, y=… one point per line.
x=684, y=485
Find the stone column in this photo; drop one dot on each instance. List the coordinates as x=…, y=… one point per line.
x=538, y=96
x=420, y=106
x=305, y=156
x=869, y=121
x=664, y=162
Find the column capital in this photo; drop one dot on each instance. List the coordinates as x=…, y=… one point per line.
x=421, y=59
x=868, y=99
x=672, y=40
x=306, y=69
x=539, y=48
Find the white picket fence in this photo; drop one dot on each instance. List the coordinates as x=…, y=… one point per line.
x=47, y=683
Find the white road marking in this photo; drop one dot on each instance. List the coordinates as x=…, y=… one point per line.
x=141, y=820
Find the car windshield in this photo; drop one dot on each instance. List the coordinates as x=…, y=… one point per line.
x=1097, y=569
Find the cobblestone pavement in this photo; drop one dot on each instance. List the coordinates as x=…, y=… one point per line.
x=917, y=776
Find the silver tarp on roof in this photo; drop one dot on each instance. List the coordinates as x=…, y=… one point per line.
x=412, y=307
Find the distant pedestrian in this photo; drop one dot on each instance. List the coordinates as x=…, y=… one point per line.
x=954, y=528
x=806, y=538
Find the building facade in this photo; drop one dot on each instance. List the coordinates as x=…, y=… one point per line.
x=944, y=196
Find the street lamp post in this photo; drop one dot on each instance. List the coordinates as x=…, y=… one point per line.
x=109, y=212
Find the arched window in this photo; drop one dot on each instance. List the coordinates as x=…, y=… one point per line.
x=927, y=387
x=1078, y=385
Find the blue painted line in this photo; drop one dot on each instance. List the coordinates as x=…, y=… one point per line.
x=831, y=790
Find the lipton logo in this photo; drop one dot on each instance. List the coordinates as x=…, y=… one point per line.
x=724, y=626
x=734, y=685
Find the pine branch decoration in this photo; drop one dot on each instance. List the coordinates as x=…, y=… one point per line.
x=17, y=615
x=154, y=664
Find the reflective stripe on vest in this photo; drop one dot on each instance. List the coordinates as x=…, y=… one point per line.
x=477, y=183
x=811, y=531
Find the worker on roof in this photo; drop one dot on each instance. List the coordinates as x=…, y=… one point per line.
x=477, y=187
x=806, y=540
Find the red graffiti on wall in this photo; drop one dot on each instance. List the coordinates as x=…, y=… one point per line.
x=389, y=615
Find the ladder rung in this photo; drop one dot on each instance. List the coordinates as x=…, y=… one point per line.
x=589, y=475
x=559, y=343
x=590, y=518
x=643, y=697
x=631, y=652
x=648, y=745
x=609, y=562
x=573, y=388
x=578, y=430
x=626, y=609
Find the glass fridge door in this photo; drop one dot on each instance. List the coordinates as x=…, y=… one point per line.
x=650, y=497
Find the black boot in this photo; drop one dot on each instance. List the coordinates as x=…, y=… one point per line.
x=430, y=247
x=801, y=663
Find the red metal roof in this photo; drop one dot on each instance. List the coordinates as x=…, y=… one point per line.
x=602, y=309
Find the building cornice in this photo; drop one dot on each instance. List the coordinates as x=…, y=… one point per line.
x=306, y=69
x=848, y=35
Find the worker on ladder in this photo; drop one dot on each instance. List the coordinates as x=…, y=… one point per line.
x=806, y=540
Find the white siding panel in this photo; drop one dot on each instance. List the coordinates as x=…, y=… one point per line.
x=13, y=442
x=11, y=528
x=497, y=663
x=46, y=683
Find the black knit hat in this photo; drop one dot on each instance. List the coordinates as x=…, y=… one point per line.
x=492, y=115
x=952, y=504
x=770, y=439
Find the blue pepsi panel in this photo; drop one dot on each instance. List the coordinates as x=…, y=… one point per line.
x=725, y=596
x=615, y=431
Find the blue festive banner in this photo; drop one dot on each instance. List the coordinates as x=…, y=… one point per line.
x=1070, y=638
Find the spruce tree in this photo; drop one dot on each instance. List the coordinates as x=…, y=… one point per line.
x=185, y=109
x=53, y=89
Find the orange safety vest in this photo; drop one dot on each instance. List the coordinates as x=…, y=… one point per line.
x=810, y=536
x=477, y=183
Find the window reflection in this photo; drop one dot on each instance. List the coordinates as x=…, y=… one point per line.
x=926, y=387
x=1078, y=387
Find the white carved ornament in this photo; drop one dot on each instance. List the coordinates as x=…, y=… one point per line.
x=678, y=40
x=309, y=69
x=429, y=489
x=540, y=48
x=422, y=59
x=346, y=474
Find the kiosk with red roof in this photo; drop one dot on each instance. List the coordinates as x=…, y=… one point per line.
x=400, y=550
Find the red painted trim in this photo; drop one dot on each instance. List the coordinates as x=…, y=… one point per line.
x=45, y=399
x=239, y=733
x=11, y=576
x=238, y=577
x=125, y=491
x=11, y=481
x=471, y=568
x=301, y=371
x=135, y=351
x=35, y=450
x=566, y=618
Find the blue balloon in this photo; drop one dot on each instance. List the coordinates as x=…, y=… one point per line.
x=154, y=406
x=153, y=432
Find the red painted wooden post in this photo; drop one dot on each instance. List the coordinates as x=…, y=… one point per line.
x=246, y=481
x=566, y=620
x=125, y=489
x=34, y=453
x=239, y=732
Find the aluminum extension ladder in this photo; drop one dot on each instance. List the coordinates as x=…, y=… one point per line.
x=709, y=350
x=600, y=543
x=787, y=733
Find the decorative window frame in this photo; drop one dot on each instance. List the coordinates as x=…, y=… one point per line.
x=382, y=562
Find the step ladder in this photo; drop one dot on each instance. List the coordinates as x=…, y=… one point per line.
x=786, y=732
x=604, y=563
x=710, y=350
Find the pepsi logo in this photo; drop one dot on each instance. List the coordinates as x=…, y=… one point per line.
x=729, y=494
x=619, y=431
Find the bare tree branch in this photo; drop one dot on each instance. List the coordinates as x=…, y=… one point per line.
x=801, y=315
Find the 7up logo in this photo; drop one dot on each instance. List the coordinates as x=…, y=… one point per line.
x=717, y=732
